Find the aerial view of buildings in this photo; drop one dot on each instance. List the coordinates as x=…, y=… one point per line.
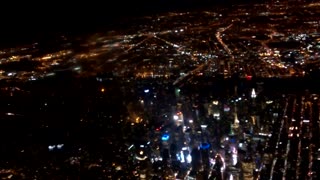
x=222, y=92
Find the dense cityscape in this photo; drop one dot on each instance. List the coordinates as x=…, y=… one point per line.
x=219, y=93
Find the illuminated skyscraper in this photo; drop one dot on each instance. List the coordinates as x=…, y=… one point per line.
x=253, y=93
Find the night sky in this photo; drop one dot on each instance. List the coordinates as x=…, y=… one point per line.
x=22, y=21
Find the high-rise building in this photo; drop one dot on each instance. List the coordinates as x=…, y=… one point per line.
x=204, y=150
x=196, y=159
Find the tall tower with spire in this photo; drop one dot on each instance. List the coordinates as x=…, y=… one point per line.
x=236, y=120
x=253, y=94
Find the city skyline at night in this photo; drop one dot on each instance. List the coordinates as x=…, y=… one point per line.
x=180, y=89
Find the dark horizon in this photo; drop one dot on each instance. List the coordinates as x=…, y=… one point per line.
x=34, y=21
